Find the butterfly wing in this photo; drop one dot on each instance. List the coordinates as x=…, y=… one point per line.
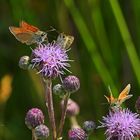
x=69, y=41
x=124, y=94
x=22, y=35
x=28, y=27
x=60, y=39
x=16, y=30
x=64, y=40
x=26, y=38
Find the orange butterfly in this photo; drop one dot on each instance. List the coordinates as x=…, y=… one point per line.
x=116, y=102
x=28, y=34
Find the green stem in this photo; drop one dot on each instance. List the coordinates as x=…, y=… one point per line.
x=74, y=123
x=63, y=115
x=90, y=44
x=49, y=104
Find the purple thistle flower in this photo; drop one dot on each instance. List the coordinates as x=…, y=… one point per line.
x=121, y=125
x=137, y=105
x=51, y=60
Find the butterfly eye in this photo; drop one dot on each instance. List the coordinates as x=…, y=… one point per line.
x=63, y=36
x=113, y=104
x=43, y=34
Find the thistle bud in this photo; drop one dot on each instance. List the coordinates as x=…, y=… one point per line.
x=41, y=132
x=71, y=84
x=58, y=90
x=72, y=108
x=24, y=62
x=89, y=126
x=77, y=134
x=34, y=117
x=137, y=105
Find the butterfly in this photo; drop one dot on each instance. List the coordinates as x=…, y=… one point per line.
x=116, y=102
x=28, y=34
x=64, y=40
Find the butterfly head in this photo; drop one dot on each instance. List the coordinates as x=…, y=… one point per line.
x=42, y=36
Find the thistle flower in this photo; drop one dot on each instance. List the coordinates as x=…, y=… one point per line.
x=121, y=125
x=41, y=132
x=34, y=117
x=77, y=134
x=71, y=84
x=50, y=60
x=137, y=105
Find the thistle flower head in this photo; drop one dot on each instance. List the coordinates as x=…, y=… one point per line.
x=51, y=60
x=34, y=117
x=121, y=125
x=77, y=134
x=71, y=84
x=41, y=132
x=137, y=105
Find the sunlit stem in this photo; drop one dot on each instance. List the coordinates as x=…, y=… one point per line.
x=74, y=123
x=49, y=104
x=33, y=135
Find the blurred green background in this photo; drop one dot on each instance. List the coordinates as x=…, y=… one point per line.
x=106, y=52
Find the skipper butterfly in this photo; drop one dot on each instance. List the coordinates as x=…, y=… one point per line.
x=28, y=34
x=116, y=102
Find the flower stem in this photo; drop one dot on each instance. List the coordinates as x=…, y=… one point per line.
x=49, y=104
x=63, y=115
x=33, y=135
x=74, y=123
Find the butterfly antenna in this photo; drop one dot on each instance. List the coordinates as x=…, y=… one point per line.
x=51, y=29
x=104, y=103
x=109, y=89
x=57, y=31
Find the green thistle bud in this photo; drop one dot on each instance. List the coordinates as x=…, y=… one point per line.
x=41, y=132
x=24, y=62
x=58, y=90
x=89, y=126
